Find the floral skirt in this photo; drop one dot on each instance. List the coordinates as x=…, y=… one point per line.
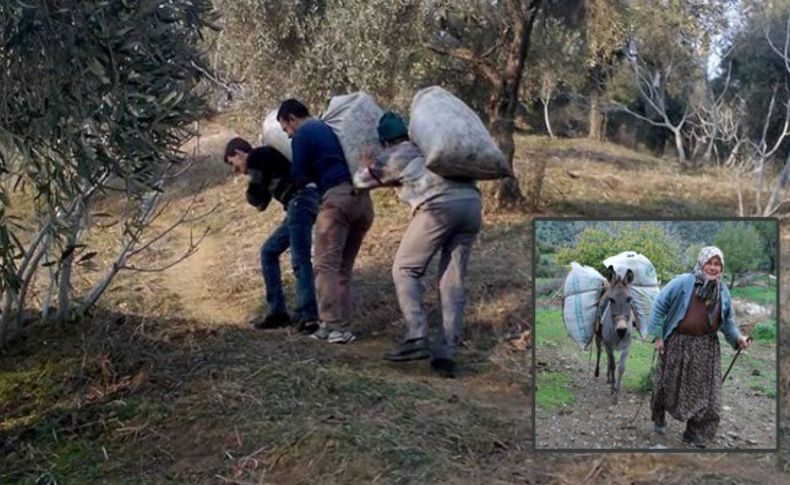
x=688, y=383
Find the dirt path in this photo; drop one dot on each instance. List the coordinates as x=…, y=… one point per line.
x=193, y=280
x=748, y=418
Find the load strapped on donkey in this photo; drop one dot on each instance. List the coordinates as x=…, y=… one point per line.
x=607, y=308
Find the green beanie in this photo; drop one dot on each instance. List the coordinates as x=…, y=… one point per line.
x=391, y=127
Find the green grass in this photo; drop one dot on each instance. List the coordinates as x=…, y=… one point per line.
x=765, y=331
x=553, y=390
x=638, y=368
x=549, y=329
x=757, y=294
x=758, y=373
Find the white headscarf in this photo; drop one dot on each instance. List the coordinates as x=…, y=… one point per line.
x=706, y=289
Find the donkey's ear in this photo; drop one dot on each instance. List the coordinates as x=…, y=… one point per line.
x=629, y=277
x=611, y=275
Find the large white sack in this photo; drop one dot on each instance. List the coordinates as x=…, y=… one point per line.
x=354, y=118
x=580, y=303
x=644, y=288
x=643, y=269
x=272, y=134
x=452, y=137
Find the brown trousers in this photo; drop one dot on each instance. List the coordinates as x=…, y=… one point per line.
x=343, y=220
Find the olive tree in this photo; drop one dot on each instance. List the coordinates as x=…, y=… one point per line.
x=95, y=97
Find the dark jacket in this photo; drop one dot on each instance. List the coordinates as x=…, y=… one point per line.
x=318, y=157
x=270, y=177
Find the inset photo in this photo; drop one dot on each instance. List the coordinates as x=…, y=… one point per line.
x=656, y=335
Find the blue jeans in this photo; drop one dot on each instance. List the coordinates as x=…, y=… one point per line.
x=294, y=232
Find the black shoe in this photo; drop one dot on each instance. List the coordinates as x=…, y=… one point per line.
x=307, y=326
x=272, y=320
x=414, y=349
x=660, y=425
x=444, y=367
x=694, y=439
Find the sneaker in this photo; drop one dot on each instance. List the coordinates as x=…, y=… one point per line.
x=307, y=326
x=694, y=439
x=272, y=320
x=414, y=349
x=444, y=367
x=321, y=333
x=340, y=337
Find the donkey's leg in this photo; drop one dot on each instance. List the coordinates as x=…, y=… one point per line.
x=620, y=370
x=598, y=353
x=610, y=366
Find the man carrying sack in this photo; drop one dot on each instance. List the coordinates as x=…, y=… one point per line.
x=446, y=217
x=343, y=219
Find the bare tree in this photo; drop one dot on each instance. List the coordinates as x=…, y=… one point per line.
x=651, y=81
x=775, y=200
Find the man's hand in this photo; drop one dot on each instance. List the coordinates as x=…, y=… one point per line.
x=366, y=159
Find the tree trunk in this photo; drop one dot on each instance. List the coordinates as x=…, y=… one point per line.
x=595, y=130
x=506, y=192
x=732, y=280
x=773, y=201
x=65, y=265
x=679, y=146
x=546, y=116
x=5, y=318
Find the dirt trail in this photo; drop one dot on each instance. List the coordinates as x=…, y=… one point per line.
x=748, y=419
x=191, y=280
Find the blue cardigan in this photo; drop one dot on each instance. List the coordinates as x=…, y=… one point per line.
x=672, y=303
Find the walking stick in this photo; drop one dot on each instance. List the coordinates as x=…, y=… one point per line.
x=748, y=339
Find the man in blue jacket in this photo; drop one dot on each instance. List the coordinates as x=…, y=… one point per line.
x=343, y=219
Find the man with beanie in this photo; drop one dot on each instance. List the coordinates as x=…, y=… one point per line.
x=445, y=218
x=344, y=217
x=270, y=177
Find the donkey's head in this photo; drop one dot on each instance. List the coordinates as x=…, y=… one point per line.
x=620, y=300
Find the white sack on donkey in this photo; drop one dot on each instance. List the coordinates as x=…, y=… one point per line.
x=354, y=117
x=452, y=137
x=644, y=288
x=272, y=134
x=583, y=288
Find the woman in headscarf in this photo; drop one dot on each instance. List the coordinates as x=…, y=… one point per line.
x=684, y=320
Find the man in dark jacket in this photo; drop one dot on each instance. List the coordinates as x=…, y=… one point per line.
x=345, y=215
x=270, y=177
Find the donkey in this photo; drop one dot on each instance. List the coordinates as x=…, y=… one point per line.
x=613, y=326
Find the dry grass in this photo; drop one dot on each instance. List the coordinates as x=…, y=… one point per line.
x=168, y=384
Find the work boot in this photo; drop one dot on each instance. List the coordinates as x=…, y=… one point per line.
x=414, y=349
x=444, y=367
x=272, y=320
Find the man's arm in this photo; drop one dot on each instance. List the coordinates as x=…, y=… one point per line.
x=258, y=196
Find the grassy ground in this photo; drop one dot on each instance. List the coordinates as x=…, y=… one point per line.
x=550, y=333
x=168, y=385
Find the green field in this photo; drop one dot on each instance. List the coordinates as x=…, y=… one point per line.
x=551, y=337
